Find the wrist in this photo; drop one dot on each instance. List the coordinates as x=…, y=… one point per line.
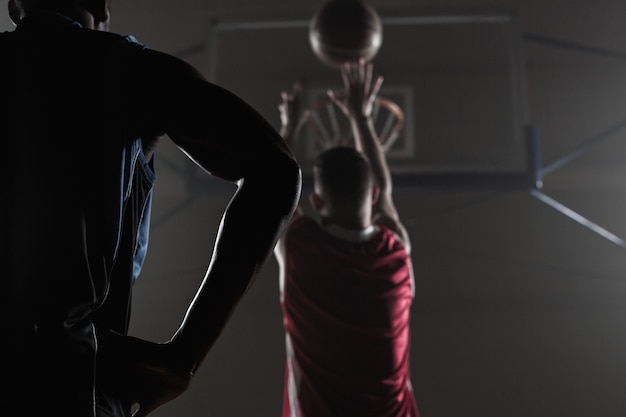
x=184, y=358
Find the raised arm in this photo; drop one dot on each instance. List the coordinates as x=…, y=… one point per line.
x=292, y=117
x=291, y=121
x=357, y=103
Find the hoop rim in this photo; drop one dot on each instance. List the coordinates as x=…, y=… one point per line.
x=387, y=138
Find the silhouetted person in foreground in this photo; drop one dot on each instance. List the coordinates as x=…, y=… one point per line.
x=82, y=112
x=346, y=277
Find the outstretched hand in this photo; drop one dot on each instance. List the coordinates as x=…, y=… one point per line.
x=361, y=89
x=144, y=374
x=291, y=115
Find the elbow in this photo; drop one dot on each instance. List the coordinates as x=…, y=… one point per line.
x=271, y=185
x=285, y=175
x=293, y=172
x=293, y=178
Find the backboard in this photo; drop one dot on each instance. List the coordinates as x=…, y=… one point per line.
x=457, y=77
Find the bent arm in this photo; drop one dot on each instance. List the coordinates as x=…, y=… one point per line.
x=230, y=140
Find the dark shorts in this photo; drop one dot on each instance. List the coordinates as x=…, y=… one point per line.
x=55, y=375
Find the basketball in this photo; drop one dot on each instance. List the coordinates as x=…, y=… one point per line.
x=344, y=31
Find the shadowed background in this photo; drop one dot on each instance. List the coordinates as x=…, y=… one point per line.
x=519, y=310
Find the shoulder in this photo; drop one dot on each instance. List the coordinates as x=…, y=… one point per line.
x=123, y=49
x=131, y=40
x=301, y=223
x=302, y=228
x=299, y=227
x=162, y=64
x=125, y=43
x=396, y=227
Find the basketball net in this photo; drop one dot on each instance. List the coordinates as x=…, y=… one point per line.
x=328, y=126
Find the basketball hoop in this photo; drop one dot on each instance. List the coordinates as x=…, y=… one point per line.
x=344, y=31
x=329, y=126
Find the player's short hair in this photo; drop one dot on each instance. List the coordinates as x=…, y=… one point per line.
x=344, y=174
x=55, y=5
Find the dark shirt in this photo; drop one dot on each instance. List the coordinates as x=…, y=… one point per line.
x=75, y=208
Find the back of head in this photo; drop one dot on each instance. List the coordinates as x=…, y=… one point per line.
x=54, y=5
x=99, y=9
x=342, y=175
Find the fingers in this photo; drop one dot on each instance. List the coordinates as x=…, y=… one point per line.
x=338, y=100
x=144, y=410
x=346, y=73
x=359, y=73
x=365, y=71
x=370, y=85
x=376, y=87
x=140, y=412
x=290, y=100
x=331, y=94
x=296, y=89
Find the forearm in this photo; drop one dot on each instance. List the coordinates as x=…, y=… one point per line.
x=366, y=141
x=253, y=221
x=384, y=210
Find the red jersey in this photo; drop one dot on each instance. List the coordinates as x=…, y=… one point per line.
x=346, y=309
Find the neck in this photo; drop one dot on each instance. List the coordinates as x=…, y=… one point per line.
x=349, y=222
x=352, y=234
